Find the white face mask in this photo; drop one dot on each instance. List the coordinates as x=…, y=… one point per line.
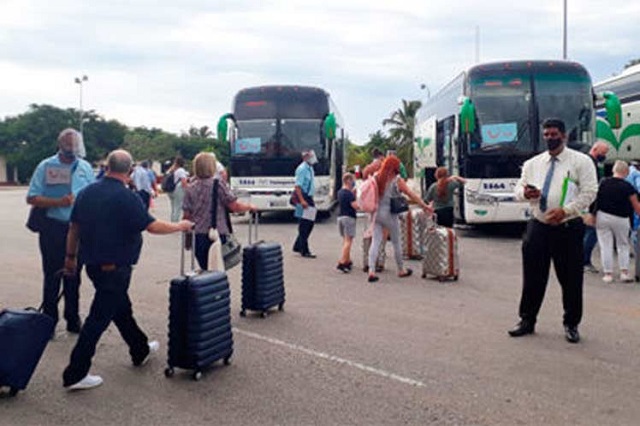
x=312, y=159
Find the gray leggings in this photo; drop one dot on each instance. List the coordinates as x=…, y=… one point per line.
x=384, y=219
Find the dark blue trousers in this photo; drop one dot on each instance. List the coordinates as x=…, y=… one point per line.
x=110, y=303
x=53, y=241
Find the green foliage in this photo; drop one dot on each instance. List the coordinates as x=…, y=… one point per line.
x=29, y=138
x=632, y=63
x=402, y=123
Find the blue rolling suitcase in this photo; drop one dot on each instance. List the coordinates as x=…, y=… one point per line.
x=199, y=320
x=262, y=274
x=24, y=334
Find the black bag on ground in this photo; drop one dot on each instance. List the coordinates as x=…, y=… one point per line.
x=24, y=335
x=199, y=321
x=37, y=220
x=262, y=274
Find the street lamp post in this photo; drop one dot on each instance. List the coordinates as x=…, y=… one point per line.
x=80, y=81
x=423, y=86
x=564, y=32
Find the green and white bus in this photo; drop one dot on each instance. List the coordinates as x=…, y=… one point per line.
x=485, y=123
x=270, y=127
x=625, y=138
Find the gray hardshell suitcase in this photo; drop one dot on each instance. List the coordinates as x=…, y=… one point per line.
x=440, y=253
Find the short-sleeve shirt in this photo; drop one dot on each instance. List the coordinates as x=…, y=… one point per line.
x=197, y=204
x=345, y=198
x=305, y=178
x=111, y=219
x=141, y=179
x=613, y=197
x=447, y=201
x=179, y=174
x=47, y=182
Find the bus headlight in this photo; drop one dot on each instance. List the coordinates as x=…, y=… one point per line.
x=480, y=199
x=322, y=190
x=242, y=193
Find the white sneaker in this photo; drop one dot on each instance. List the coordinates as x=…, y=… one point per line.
x=607, y=278
x=154, y=346
x=625, y=278
x=87, y=383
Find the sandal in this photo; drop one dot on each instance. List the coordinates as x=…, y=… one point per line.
x=407, y=273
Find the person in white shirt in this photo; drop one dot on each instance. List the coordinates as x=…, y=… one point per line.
x=560, y=184
x=180, y=177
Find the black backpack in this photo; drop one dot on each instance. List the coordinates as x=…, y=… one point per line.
x=168, y=183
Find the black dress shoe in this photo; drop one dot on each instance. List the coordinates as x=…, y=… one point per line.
x=74, y=328
x=522, y=328
x=309, y=255
x=571, y=334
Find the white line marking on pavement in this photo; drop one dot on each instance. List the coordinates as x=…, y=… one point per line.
x=333, y=358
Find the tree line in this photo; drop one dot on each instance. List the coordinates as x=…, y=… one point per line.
x=28, y=138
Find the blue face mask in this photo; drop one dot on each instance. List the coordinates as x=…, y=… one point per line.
x=69, y=155
x=601, y=158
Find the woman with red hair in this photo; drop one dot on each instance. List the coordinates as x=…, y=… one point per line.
x=389, y=185
x=440, y=194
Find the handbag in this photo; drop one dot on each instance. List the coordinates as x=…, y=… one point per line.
x=399, y=204
x=293, y=200
x=231, y=249
x=37, y=220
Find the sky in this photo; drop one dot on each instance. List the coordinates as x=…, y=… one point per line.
x=173, y=64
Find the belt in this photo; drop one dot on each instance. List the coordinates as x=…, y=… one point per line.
x=568, y=223
x=109, y=267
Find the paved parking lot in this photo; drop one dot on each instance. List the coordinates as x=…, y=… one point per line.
x=344, y=351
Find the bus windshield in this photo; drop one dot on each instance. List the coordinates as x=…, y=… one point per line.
x=300, y=135
x=503, y=109
x=567, y=97
x=256, y=138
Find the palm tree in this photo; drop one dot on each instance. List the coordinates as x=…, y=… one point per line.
x=401, y=132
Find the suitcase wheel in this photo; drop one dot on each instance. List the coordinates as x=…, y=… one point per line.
x=442, y=279
x=168, y=372
x=455, y=278
x=281, y=306
x=197, y=375
x=424, y=275
x=243, y=313
x=264, y=314
x=637, y=278
x=227, y=360
x=13, y=392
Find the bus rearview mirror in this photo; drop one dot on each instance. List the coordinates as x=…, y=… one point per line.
x=467, y=116
x=613, y=109
x=223, y=127
x=330, y=126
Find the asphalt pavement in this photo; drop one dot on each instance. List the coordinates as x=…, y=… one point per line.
x=344, y=351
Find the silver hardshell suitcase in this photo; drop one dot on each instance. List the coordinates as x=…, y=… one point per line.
x=412, y=228
x=440, y=253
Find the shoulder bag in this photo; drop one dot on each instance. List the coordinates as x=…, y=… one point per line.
x=231, y=249
x=399, y=204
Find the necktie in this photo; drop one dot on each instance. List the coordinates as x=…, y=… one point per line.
x=547, y=184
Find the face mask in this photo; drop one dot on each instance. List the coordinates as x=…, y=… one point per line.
x=553, y=144
x=69, y=155
x=601, y=158
x=312, y=159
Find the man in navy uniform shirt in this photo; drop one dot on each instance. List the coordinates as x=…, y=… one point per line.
x=106, y=233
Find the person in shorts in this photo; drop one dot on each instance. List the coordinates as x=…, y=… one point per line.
x=347, y=220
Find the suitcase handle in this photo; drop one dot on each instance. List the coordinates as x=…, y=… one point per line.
x=253, y=226
x=183, y=242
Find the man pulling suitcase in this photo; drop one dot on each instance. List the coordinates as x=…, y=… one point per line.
x=107, y=221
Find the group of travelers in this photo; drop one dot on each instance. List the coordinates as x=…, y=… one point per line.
x=98, y=225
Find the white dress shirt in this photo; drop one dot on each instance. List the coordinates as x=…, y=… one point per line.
x=572, y=164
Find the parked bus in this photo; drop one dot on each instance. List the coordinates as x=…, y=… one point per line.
x=485, y=123
x=625, y=140
x=270, y=127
